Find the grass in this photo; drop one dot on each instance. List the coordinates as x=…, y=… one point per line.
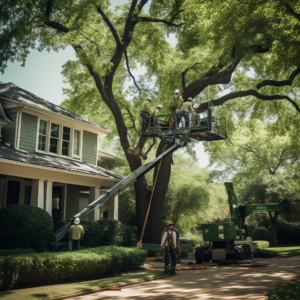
x=286, y=251
x=52, y=291
x=262, y=249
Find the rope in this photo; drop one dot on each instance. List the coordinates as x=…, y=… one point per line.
x=139, y=245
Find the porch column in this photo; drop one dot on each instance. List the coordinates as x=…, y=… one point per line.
x=37, y=193
x=2, y=191
x=48, y=196
x=113, y=208
x=94, y=194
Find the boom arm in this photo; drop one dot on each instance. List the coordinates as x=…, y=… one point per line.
x=239, y=211
x=173, y=145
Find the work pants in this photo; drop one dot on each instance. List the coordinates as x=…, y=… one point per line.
x=186, y=116
x=172, y=254
x=75, y=245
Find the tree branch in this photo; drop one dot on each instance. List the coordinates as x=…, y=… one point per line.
x=153, y=20
x=184, y=73
x=128, y=26
x=110, y=26
x=128, y=69
x=291, y=11
x=279, y=83
x=251, y=92
x=53, y=24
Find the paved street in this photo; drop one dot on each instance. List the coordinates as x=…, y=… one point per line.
x=211, y=283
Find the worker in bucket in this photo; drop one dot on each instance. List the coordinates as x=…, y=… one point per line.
x=76, y=232
x=145, y=113
x=157, y=111
x=175, y=104
x=187, y=110
x=196, y=116
x=169, y=242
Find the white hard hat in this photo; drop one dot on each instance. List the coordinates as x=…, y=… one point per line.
x=190, y=99
x=149, y=98
x=76, y=221
x=160, y=106
x=196, y=106
x=177, y=91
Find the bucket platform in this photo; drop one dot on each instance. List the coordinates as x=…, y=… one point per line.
x=201, y=125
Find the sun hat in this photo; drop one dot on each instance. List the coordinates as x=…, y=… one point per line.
x=76, y=221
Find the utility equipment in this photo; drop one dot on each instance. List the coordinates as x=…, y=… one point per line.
x=228, y=240
x=209, y=128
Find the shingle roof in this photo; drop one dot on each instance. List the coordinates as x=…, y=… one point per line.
x=55, y=162
x=12, y=91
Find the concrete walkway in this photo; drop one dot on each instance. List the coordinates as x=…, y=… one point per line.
x=211, y=283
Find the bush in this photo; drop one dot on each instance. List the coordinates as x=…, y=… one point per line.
x=15, y=252
x=261, y=244
x=289, y=290
x=261, y=234
x=105, y=232
x=52, y=268
x=153, y=249
x=25, y=226
x=288, y=233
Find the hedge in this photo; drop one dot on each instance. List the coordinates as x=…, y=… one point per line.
x=261, y=234
x=25, y=226
x=289, y=290
x=16, y=252
x=53, y=268
x=104, y=232
x=259, y=250
x=153, y=249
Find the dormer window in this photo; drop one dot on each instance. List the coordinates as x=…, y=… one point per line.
x=57, y=139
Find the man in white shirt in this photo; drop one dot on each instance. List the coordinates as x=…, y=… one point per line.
x=169, y=242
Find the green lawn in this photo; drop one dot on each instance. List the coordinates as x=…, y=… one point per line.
x=51, y=291
x=286, y=251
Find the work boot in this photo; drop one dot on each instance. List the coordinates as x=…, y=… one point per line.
x=173, y=269
x=166, y=270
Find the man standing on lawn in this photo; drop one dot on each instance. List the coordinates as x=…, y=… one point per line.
x=75, y=234
x=171, y=226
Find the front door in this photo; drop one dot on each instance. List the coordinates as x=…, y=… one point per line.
x=13, y=192
x=56, y=203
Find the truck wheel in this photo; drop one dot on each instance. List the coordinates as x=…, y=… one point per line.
x=238, y=252
x=64, y=248
x=199, y=255
x=206, y=258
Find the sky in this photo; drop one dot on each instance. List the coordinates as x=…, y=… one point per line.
x=42, y=77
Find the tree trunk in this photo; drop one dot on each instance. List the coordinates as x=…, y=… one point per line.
x=274, y=226
x=153, y=226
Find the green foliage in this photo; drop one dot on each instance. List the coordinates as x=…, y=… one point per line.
x=261, y=244
x=25, y=226
x=153, y=249
x=258, y=252
x=288, y=233
x=105, y=232
x=261, y=234
x=191, y=199
x=52, y=268
x=289, y=290
x=16, y=252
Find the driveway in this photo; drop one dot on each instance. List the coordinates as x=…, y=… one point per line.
x=211, y=283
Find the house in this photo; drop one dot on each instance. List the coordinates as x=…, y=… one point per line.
x=48, y=156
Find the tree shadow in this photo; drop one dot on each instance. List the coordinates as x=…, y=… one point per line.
x=40, y=296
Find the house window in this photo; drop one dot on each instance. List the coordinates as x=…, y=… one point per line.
x=42, y=135
x=76, y=142
x=66, y=141
x=54, y=138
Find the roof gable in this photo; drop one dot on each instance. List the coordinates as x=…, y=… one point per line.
x=13, y=92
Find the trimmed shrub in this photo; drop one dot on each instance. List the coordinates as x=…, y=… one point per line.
x=104, y=232
x=52, y=268
x=261, y=251
x=261, y=234
x=25, y=226
x=261, y=244
x=288, y=233
x=153, y=249
x=15, y=252
x=289, y=290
